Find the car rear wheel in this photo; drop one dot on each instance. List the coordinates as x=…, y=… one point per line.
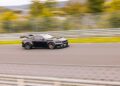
x=51, y=45
x=27, y=46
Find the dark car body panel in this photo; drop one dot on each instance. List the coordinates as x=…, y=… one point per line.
x=39, y=41
x=40, y=44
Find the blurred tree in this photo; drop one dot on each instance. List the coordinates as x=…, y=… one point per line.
x=73, y=9
x=18, y=26
x=39, y=8
x=112, y=6
x=36, y=8
x=44, y=12
x=95, y=6
x=51, y=4
x=7, y=18
x=114, y=20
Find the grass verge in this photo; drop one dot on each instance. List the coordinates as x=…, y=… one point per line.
x=76, y=40
x=10, y=41
x=95, y=40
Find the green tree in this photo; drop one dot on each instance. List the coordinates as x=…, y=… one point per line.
x=51, y=4
x=112, y=6
x=95, y=6
x=7, y=18
x=114, y=20
x=47, y=13
x=44, y=12
x=36, y=8
x=39, y=8
x=73, y=9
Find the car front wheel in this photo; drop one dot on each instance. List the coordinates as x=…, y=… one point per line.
x=51, y=45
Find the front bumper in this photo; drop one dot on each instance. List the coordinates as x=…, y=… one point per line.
x=63, y=44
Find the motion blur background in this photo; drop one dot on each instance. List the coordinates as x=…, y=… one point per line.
x=53, y=15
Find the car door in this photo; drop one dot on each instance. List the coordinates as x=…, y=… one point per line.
x=38, y=41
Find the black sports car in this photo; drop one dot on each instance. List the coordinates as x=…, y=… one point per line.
x=43, y=40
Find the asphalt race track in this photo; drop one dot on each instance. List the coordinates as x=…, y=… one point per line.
x=76, y=54
x=78, y=61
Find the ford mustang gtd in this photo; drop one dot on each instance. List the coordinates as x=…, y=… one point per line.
x=43, y=40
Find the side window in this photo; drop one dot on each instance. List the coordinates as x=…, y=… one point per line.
x=31, y=37
x=38, y=38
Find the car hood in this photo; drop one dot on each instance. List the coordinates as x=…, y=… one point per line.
x=58, y=39
x=62, y=39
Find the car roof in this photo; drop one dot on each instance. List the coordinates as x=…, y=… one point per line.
x=38, y=35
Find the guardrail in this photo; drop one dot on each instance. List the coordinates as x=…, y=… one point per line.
x=14, y=80
x=70, y=33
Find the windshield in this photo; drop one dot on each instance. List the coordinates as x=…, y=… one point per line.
x=46, y=36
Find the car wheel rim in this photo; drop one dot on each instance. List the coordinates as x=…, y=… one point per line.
x=51, y=46
x=27, y=47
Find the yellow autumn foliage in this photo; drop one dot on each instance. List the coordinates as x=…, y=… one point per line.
x=8, y=16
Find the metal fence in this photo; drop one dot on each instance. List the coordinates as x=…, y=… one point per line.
x=13, y=80
x=69, y=33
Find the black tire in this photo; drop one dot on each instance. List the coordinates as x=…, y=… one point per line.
x=51, y=46
x=28, y=46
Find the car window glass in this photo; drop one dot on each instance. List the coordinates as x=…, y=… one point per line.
x=31, y=37
x=38, y=38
